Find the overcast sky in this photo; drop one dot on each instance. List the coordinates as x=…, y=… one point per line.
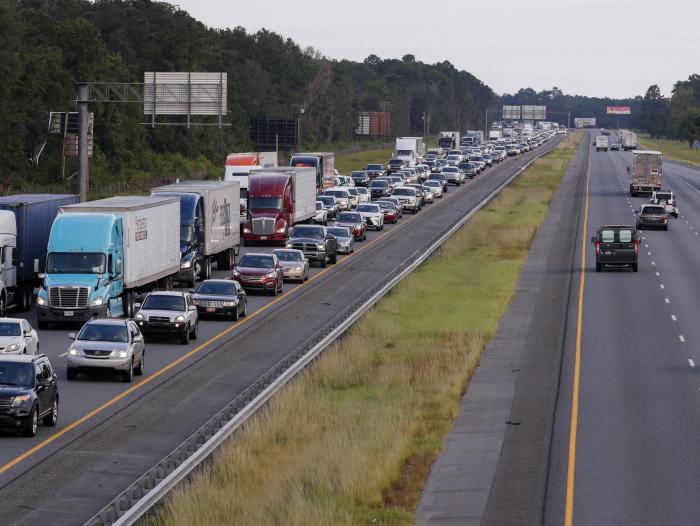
x=615, y=48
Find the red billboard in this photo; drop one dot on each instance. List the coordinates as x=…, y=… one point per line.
x=619, y=110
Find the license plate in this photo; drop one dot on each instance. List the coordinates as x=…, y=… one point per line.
x=263, y=238
x=211, y=309
x=608, y=252
x=68, y=313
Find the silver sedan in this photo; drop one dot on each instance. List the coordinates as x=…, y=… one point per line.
x=294, y=265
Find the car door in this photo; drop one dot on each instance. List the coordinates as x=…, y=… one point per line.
x=136, y=341
x=31, y=338
x=43, y=386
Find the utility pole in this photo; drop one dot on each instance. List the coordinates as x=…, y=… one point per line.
x=83, y=114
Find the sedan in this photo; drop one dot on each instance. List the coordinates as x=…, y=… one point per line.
x=372, y=215
x=353, y=221
x=391, y=213
x=435, y=187
x=17, y=337
x=294, y=265
x=395, y=201
x=346, y=241
x=107, y=345
x=380, y=188
x=441, y=178
x=221, y=296
x=342, y=197
x=364, y=194
x=260, y=272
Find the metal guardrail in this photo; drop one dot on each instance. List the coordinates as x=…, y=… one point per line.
x=133, y=503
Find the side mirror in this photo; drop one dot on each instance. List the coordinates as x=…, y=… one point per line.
x=71, y=336
x=628, y=169
x=137, y=306
x=118, y=266
x=192, y=307
x=593, y=240
x=330, y=236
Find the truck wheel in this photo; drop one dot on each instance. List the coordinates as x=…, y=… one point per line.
x=128, y=375
x=234, y=314
x=3, y=305
x=598, y=267
x=128, y=303
x=30, y=425
x=634, y=267
x=139, y=370
x=71, y=373
x=51, y=419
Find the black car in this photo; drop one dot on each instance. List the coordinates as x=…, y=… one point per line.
x=315, y=242
x=379, y=188
x=360, y=178
x=28, y=393
x=221, y=296
x=395, y=165
x=375, y=170
x=616, y=246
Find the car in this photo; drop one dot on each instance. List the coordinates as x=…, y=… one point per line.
x=435, y=187
x=330, y=204
x=428, y=195
x=391, y=213
x=353, y=221
x=106, y=345
x=375, y=170
x=409, y=198
x=294, y=265
x=346, y=241
x=354, y=197
x=395, y=165
x=489, y=159
x=345, y=181
x=363, y=193
x=380, y=188
x=360, y=177
x=321, y=216
x=342, y=197
x=168, y=313
x=220, y=296
x=394, y=201
x=615, y=147
x=17, y=336
x=423, y=172
x=372, y=215
x=454, y=159
x=453, y=175
x=260, y=272
x=667, y=199
x=315, y=242
x=441, y=178
x=652, y=216
x=615, y=246
x=28, y=393
x=469, y=169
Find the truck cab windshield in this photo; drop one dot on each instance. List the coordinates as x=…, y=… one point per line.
x=402, y=153
x=186, y=233
x=75, y=263
x=257, y=203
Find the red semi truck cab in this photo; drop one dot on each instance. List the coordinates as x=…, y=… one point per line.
x=277, y=200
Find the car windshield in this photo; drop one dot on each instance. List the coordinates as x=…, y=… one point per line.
x=224, y=288
x=307, y=231
x=256, y=261
x=433, y=183
x=75, y=263
x=350, y=217
x=104, y=332
x=395, y=162
x=367, y=208
x=453, y=157
x=186, y=233
x=450, y=169
x=10, y=329
x=337, y=193
x=654, y=210
x=359, y=174
x=405, y=191
x=164, y=302
x=379, y=184
x=374, y=167
x=260, y=203
x=327, y=200
x=665, y=197
x=17, y=374
x=385, y=205
x=289, y=255
x=339, y=231
x=361, y=190
x=352, y=191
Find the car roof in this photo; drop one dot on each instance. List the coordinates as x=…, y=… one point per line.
x=11, y=320
x=20, y=358
x=217, y=281
x=617, y=227
x=108, y=321
x=168, y=293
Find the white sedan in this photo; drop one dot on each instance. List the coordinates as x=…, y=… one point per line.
x=372, y=215
x=17, y=336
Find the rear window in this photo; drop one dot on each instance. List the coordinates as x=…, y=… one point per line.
x=654, y=210
x=625, y=236
x=607, y=236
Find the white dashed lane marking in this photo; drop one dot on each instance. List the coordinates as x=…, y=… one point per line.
x=681, y=338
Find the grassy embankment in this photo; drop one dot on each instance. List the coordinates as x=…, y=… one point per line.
x=351, y=441
x=672, y=150
x=346, y=163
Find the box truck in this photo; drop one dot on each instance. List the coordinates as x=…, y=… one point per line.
x=102, y=253
x=410, y=149
x=494, y=135
x=209, y=226
x=239, y=165
x=646, y=172
x=628, y=139
x=601, y=143
x=322, y=162
x=278, y=199
x=25, y=223
x=448, y=140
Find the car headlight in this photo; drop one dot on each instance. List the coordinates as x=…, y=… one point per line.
x=138, y=316
x=229, y=303
x=236, y=273
x=288, y=244
x=272, y=274
x=180, y=318
x=74, y=352
x=19, y=400
x=186, y=264
x=12, y=348
x=246, y=230
x=120, y=354
x=281, y=229
x=321, y=246
x=40, y=301
x=97, y=302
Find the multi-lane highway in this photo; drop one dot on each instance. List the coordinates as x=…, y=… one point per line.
x=628, y=414
x=109, y=433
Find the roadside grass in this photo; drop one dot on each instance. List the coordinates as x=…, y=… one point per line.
x=346, y=163
x=352, y=440
x=672, y=150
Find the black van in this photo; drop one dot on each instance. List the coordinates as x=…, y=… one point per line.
x=616, y=245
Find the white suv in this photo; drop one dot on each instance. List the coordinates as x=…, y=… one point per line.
x=169, y=313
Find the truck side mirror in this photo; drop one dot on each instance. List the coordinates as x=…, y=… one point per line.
x=628, y=169
x=36, y=266
x=118, y=266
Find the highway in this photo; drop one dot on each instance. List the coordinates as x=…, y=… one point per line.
x=634, y=400
x=109, y=432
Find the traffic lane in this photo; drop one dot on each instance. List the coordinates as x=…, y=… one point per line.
x=145, y=430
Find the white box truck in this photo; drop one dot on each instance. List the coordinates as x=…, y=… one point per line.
x=448, y=140
x=646, y=172
x=494, y=135
x=410, y=149
x=628, y=139
x=601, y=143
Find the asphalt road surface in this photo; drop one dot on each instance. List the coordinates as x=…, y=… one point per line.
x=637, y=452
x=110, y=433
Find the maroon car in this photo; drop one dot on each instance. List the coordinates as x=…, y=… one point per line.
x=260, y=272
x=353, y=221
x=391, y=214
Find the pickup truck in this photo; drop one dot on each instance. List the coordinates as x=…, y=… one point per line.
x=315, y=242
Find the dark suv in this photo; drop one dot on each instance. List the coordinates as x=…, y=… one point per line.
x=28, y=392
x=616, y=245
x=315, y=242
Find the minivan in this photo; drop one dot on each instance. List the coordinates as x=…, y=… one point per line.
x=616, y=246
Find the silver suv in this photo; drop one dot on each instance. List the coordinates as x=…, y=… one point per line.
x=106, y=345
x=169, y=313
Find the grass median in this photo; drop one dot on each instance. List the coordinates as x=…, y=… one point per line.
x=351, y=441
x=346, y=163
x=672, y=150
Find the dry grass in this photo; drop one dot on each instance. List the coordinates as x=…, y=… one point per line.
x=673, y=150
x=351, y=441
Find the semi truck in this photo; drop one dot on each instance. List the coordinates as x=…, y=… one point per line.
x=278, y=199
x=646, y=172
x=25, y=223
x=322, y=162
x=628, y=140
x=448, y=140
x=494, y=135
x=601, y=143
x=239, y=165
x=101, y=254
x=209, y=226
x=476, y=136
x=410, y=149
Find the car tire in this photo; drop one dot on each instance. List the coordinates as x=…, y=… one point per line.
x=598, y=267
x=30, y=426
x=71, y=373
x=128, y=376
x=51, y=419
x=334, y=259
x=323, y=264
x=245, y=309
x=185, y=337
x=195, y=331
x=42, y=325
x=138, y=371
x=635, y=267
x=235, y=314
x=666, y=228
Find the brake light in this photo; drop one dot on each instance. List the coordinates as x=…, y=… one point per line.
x=636, y=247
x=597, y=248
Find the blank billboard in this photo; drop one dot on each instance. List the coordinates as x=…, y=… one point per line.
x=511, y=112
x=534, y=113
x=188, y=93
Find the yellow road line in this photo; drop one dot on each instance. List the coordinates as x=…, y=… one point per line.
x=571, y=471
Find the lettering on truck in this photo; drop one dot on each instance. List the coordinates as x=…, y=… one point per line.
x=141, y=228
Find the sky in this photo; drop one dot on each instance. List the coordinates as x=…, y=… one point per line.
x=614, y=48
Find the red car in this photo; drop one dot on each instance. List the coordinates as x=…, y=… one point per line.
x=391, y=214
x=353, y=221
x=260, y=272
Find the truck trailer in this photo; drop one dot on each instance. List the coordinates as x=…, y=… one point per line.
x=278, y=199
x=448, y=140
x=322, y=162
x=209, y=226
x=239, y=165
x=102, y=253
x=25, y=223
x=646, y=172
x=628, y=140
x=601, y=143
